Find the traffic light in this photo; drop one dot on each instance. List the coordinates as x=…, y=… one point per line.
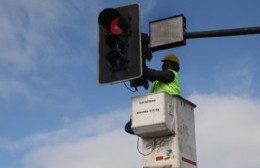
x=119, y=44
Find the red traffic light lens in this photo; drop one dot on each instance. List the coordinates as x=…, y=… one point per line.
x=113, y=21
x=114, y=28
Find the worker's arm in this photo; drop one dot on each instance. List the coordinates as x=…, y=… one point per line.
x=163, y=76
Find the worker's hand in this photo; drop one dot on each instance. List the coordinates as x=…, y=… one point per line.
x=142, y=81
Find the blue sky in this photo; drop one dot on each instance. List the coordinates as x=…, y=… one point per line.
x=54, y=114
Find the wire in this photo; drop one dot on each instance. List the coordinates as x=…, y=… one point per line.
x=130, y=88
x=146, y=154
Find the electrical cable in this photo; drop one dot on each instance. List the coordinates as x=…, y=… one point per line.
x=146, y=154
x=130, y=88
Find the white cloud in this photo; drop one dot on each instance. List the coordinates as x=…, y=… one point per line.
x=73, y=130
x=227, y=131
x=11, y=87
x=45, y=39
x=227, y=134
x=91, y=142
x=113, y=149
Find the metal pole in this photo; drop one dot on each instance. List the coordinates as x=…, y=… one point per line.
x=225, y=32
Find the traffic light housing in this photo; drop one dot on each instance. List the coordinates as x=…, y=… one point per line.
x=120, y=55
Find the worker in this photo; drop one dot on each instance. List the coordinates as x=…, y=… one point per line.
x=166, y=80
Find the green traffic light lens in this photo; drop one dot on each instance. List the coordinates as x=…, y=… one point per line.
x=116, y=60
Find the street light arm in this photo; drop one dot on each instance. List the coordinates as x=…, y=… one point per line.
x=224, y=32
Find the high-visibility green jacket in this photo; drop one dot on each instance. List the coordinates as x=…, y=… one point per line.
x=172, y=88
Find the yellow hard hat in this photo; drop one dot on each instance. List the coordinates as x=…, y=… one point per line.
x=172, y=58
